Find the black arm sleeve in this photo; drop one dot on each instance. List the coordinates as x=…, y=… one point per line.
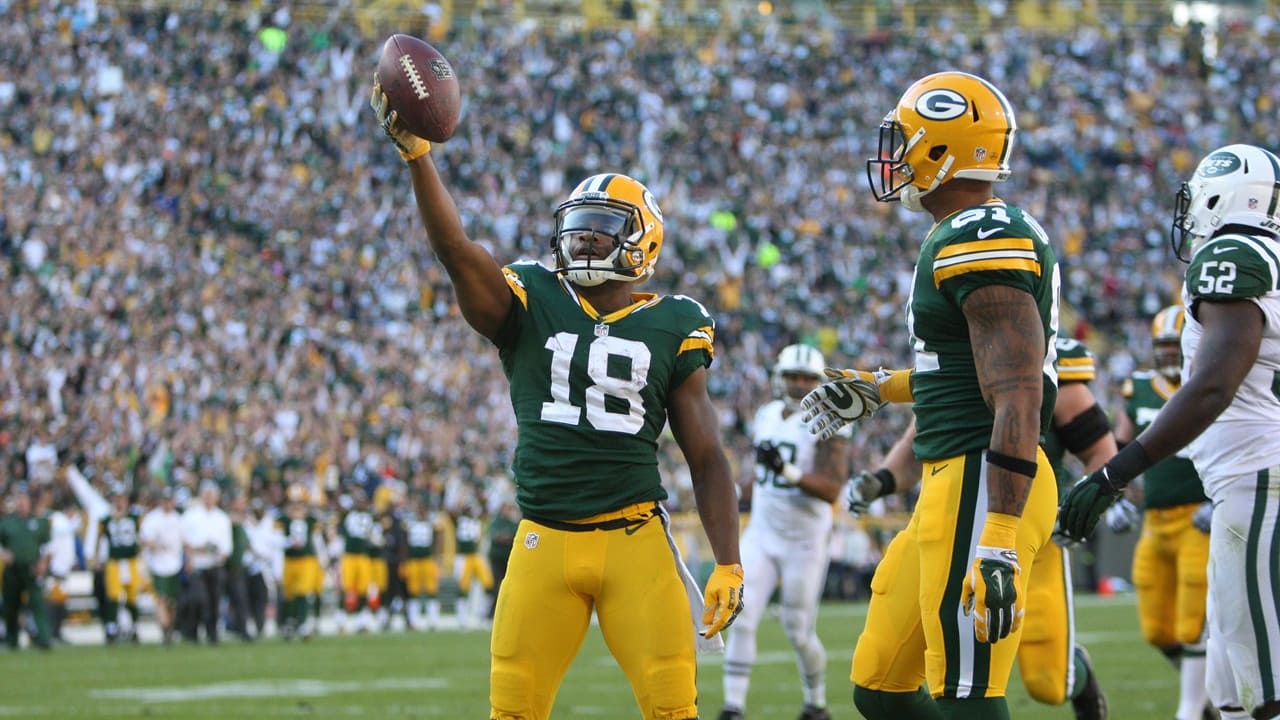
x=1084, y=429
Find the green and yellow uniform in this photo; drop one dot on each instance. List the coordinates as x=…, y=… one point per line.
x=121, y=571
x=1170, y=562
x=376, y=549
x=918, y=584
x=469, y=564
x=590, y=397
x=420, y=572
x=357, y=574
x=1046, y=657
x=303, y=576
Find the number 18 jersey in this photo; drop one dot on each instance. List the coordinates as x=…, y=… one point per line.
x=590, y=392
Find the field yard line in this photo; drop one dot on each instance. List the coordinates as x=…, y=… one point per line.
x=262, y=688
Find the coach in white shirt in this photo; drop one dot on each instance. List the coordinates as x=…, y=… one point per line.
x=206, y=536
x=161, y=536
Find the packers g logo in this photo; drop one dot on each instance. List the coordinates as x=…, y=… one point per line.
x=942, y=105
x=1219, y=164
x=652, y=204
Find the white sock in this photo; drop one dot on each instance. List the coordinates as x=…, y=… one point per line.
x=1192, y=693
x=433, y=612
x=735, y=690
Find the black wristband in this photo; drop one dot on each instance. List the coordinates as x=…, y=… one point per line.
x=1011, y=463
x=888, y=483
x=1127, y=464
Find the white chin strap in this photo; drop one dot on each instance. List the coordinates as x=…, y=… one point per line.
x=589, y=273
x=910, y=197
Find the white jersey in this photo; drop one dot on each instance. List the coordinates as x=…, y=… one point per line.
x=783, y=510
x=1246, y=436
x=161, y=535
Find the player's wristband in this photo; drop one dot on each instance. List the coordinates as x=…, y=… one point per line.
x=1011, y=463
x=791, y=473
x=888, y=483
x=894, y=385
x=1127, y=464
x=1000, y=531
x=422, y=149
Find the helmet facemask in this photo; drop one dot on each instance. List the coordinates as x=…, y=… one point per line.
x=1233, y=185
x=580, y=226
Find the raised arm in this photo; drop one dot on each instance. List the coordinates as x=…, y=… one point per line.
x=477, y=279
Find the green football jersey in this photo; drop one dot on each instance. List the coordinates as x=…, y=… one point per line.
x=420, y=537
x=355, y=528
x=469, y=531
x=1074, y=363
x=122, y=536
x=298, y=534
x=1172, y=481
x=590, y=392
x=990, y=244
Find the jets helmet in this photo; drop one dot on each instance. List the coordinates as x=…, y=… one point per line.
x=796, y=360
x=1233, y=185
x=1166, y=340
x=947, y=125
x=613, y=206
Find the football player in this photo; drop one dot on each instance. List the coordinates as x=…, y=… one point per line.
x=1053, y=666
x=785, y=546
x=596, y=372
x=1170, y=564
x=302, y=577
x=421, y=573
x=354, y=527
x=949, y=596
x=120, y=530
x=471, y=567
x=1227, y=415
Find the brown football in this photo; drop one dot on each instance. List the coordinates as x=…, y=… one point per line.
x=421, y=87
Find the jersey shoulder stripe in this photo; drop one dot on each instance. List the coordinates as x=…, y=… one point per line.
x=1234, y=266
x=1001, y=254
x=702, y=332
x=1073, y=361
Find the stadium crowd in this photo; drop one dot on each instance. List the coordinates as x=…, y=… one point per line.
x=210, y=270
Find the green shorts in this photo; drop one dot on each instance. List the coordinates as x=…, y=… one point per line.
x=166, y=586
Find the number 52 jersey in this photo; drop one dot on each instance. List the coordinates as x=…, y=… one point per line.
x=590, y=392
x=1246, y=436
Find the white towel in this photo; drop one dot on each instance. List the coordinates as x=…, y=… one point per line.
x=705, y=645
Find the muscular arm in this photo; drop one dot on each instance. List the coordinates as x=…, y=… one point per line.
x=1009, y=352
x=1125, y=429
x=830, y=470
x=482, y=292
x=1229, y=343
x=1074, y=398
x=697, y=430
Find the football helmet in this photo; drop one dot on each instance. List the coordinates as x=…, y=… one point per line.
x=947, y=125
x=1233, y=185
x=612, y=206
x=796, y=360
x=1166, y=341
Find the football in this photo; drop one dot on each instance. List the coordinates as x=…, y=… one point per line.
x=420, y=86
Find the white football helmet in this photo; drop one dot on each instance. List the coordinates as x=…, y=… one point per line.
x=1233, y=185
x=798, y=360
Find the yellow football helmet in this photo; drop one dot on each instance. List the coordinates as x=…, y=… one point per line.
x=947, y=125
x=613, y=206
x=1166, y=341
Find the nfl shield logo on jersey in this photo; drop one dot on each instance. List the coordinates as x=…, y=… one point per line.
x=531, y=540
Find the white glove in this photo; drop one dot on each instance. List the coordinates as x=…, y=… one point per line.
x=1062, y=539
x=845, y=399
x=411, y=146
x=1122, y=516
x=862, y=489
x=1203, y=517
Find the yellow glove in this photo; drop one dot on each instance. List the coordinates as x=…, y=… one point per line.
x=723, y=599
x=990, y=591
x=410, y=146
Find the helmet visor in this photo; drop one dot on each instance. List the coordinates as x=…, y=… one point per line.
x=613, y=222
x=887, y=172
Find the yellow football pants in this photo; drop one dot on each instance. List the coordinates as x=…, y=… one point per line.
x=357, y=574
x=302, y=577
x=916, y=632
x=1170, y=574
x=1045, y=656
x=473, y=566
x=421, y=576
x=554, y=580
x=122, y=580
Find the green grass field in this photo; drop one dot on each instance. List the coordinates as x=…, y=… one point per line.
x=444, y=675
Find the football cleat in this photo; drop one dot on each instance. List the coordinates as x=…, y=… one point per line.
x=730, y=714
x=813, y=712
x=1091, y=703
